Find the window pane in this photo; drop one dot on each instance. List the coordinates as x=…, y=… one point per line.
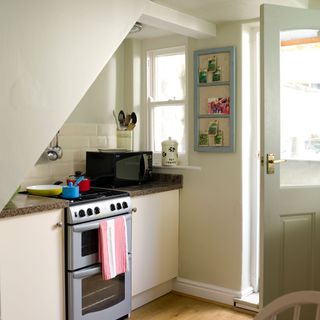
x=168, y=122
x=169, y=77
x=300, y=112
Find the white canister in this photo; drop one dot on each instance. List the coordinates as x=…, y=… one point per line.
x=169, y=152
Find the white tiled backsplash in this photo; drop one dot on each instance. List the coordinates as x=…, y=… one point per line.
x=75, y=139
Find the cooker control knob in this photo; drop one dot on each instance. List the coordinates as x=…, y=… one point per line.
x=119, y=206
x=96, y=210
x=81, y=213
x=89, y=212
x=112, y=207
x=124, y=205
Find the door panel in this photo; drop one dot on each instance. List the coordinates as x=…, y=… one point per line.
x=297, y=251
x=290, y=198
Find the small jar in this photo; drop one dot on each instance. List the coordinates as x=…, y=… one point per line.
x=203, y=76
x=219, y=138
x=217, y=75
x=203, y=138
x=212, y=64
x=213, y=128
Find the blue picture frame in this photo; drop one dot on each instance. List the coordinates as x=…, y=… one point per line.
x=214, y=100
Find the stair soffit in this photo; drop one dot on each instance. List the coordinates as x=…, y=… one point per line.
x=174, y=21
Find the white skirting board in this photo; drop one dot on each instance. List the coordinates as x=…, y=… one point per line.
x=192, y=288
x=151, y=294
x=209, y=292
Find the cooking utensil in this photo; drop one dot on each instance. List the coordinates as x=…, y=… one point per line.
x=116, y=120
x=45, y=190
x=78, y=180
x=84, y=185
x=133, y=121
x=54, y=152
x=131, y=126
x=133, y=117
x=121, y=118
x=70, y=191
x=127, y=120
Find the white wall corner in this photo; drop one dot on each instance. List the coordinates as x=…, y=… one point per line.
x=208, y=292
x=172, y=20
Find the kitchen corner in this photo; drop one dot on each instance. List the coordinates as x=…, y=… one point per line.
x=38, y=222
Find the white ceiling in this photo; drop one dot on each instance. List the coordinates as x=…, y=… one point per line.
x=216, y=11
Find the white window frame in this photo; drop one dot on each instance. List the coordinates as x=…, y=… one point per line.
x=151, y=103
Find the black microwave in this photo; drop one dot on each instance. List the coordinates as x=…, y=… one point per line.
x=118, y=168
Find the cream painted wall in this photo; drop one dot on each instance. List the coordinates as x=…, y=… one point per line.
x=51, y=52
x=105, y=94
x=211, y=199
x=90, y=126
x=211, y=208
x=314, y=4
x=132, y=83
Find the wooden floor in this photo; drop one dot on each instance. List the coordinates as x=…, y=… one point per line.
x=173, y=306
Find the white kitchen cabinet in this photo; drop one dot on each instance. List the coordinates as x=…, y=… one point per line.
x=32, y=267
x=154, y=240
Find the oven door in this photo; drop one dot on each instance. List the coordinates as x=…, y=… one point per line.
x=82, y=244
x=92, y=298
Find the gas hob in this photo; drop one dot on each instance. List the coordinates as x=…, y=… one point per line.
x=98, y=203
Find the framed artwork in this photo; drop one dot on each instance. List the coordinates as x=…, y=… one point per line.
x=214, y=100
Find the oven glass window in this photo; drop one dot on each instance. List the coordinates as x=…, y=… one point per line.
x=98, y=294
x=89, y=242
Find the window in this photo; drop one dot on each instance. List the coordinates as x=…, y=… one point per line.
x=166, y=92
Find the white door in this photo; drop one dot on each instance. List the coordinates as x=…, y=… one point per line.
x=290, y=197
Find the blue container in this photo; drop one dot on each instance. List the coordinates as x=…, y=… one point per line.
x=70, y=191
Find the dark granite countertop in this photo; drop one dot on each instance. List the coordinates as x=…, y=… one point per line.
x=25, y=204
x=159, y=183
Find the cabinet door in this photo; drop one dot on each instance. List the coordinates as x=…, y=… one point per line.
x=31, y=267
x=154, y=240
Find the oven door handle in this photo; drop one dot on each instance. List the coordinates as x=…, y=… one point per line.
x=85, y=273
x=92, y=225
x=86, y=227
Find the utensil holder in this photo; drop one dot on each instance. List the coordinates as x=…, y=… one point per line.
x=125, y=139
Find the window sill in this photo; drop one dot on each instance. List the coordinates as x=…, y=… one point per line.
x=183, y=167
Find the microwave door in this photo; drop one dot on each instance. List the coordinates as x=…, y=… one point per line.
x=145, y=171
x=128, y=168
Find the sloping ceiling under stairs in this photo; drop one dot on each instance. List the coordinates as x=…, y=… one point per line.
x=51, y=52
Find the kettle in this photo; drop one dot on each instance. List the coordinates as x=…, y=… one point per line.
x=169, y=152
